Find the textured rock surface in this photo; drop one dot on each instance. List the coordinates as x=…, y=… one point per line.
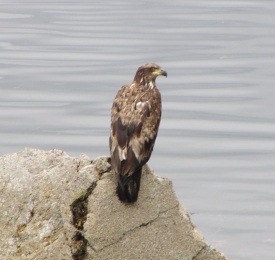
x=57, y=207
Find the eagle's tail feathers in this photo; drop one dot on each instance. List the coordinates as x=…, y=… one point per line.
x=128, y=186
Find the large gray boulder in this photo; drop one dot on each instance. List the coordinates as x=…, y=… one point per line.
x=53, y=206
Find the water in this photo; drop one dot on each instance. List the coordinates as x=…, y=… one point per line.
x=61, y=65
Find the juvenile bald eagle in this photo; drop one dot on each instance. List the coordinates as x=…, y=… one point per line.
x=135, y=119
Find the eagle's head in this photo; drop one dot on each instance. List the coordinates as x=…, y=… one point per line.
x=146, y=74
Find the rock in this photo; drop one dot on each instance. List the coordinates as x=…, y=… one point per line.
x=57, y=207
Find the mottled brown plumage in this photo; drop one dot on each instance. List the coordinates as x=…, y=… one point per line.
x=135, y=119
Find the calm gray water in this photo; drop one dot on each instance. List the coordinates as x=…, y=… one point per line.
x=61, y=64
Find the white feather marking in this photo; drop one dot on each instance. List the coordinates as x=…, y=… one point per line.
x=122, y=153
x=141, y=105
x=141, y=80
x=151, y=84
x=138, y=104
x=135, y=143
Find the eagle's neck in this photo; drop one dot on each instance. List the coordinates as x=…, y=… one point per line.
x=145, y=82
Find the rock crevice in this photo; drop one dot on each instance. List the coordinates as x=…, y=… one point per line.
x=79, y=207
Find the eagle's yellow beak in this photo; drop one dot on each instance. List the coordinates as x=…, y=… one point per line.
x=160, y=72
